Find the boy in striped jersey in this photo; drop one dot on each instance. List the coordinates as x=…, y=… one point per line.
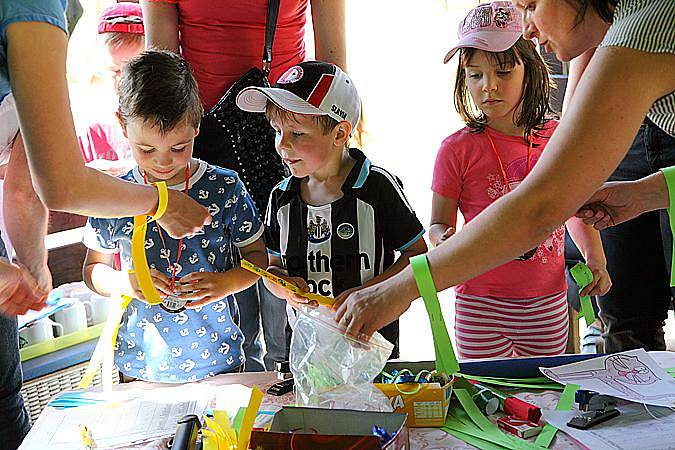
x=338, y=221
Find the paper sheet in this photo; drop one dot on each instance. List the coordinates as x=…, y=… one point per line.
x=634, y=429
x=631, y=375
x=133, y=417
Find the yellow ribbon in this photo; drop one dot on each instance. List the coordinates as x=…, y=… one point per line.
x=320, y=299
x=112, y=326
x=138, y=247
x=219, y=434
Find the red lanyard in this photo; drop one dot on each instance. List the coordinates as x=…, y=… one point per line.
x=499, y=160
x=172, y=267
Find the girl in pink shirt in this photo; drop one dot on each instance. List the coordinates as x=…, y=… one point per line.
x=501, y=92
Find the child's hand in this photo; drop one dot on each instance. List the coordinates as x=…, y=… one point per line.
x=601, y=279
x=446, y=235
x=201, y=288
x=161, y=282
x=296, y=300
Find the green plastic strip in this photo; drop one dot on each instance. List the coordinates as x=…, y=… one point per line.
x=472, y=440
x=583, y=277
x=564, y=404
x=490, y=431
x=514, y=383
x=469, y=433
x=446, y=361
x=669, y=175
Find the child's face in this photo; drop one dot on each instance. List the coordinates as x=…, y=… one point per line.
x=495, y=90
x=161, y=157
x=303, y=146
x=119, y=56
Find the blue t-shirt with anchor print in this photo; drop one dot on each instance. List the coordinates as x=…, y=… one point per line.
x=156, y=345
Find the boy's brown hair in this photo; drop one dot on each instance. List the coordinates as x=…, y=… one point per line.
x=325, y=123
x=534, y=108
x=158, y=87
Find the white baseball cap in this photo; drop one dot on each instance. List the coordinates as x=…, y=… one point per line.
x=312, y=87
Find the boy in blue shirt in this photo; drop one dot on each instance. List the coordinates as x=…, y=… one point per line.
x=160, y=110
x=338, y=222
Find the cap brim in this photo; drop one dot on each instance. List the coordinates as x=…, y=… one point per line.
x=254, y=99
x=489, y=42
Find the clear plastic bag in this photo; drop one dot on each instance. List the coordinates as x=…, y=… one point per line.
x=332, y=370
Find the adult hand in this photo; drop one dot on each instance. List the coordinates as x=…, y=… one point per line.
x=601, y=280
x=43, y=278
x=18, y=291
x=183, y=216
x=445, y=236
x=619, y=201
x=366, y=310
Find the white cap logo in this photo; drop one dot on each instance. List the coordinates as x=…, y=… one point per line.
x=291, y=75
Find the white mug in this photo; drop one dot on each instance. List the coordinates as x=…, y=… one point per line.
x=72, y=317
x=39, y=331
x=97, y=309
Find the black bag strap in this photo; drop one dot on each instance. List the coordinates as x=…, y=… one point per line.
x=270, y=29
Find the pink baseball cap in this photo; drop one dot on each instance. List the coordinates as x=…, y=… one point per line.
x=122, y=17
x=492, y=27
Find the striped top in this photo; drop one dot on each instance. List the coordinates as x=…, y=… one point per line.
x=345, y=243
x=648, y=26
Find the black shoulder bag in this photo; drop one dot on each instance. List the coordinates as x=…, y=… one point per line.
x=244, y=141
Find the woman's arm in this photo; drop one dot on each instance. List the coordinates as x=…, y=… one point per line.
x=328, y=18
x=443, y=219
x=161, y=25
x=26, y=216
x=615, y=93
x=37, y=60
x=577, y=67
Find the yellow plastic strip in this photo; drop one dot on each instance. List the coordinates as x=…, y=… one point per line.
x=108, y=337
x=327, y=301
x=163, y=201
x=249, y=418
x=224, y=421
x=141, y=262
x=669, y=175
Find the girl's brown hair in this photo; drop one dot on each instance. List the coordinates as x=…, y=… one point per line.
x=534, y=108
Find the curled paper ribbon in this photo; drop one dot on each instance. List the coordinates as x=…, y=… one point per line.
x=219, y=435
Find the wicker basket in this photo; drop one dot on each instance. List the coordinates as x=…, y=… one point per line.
x=38, y=392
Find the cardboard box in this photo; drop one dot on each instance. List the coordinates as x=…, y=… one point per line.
x=426, y=404
x=299, y=428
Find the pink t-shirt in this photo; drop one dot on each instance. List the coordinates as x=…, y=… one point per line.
x=467, y=170
x=223, y=40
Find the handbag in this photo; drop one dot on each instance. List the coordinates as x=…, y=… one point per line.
x=244, y=141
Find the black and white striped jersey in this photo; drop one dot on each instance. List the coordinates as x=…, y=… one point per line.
x=343, y=244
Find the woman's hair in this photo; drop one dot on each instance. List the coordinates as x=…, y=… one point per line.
x=158, y=87
x=603, y=8
x=533, y=109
